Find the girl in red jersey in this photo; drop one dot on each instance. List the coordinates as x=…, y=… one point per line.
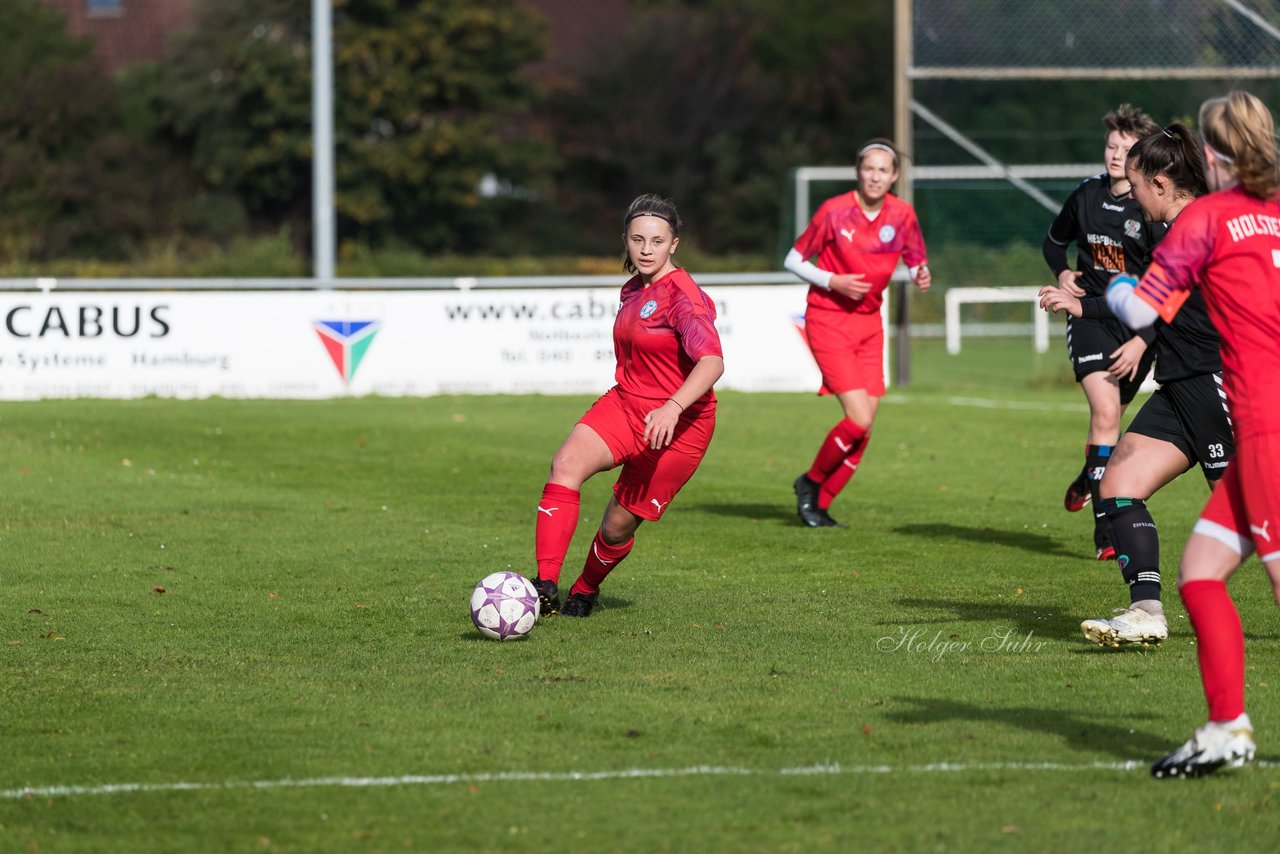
x=858, y=238
x=656, y=422
x=1228, y=242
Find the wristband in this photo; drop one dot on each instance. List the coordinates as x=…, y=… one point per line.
x=1122, y=280
x=676, y=402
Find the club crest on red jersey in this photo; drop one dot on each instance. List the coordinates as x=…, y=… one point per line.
x=648, y=308
x=886, y=233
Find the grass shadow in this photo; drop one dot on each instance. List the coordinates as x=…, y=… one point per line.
x=1047, y=619
x=780, y=512
x=1080, y=732
x=1037, y=544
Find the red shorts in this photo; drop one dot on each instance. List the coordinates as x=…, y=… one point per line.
x=650, y=478
x=849, y=350
x=1244, y=510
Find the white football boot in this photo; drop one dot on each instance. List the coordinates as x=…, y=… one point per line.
x=1213, y=746
x=1130, y=625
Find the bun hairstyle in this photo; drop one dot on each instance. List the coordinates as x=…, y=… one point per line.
x=1241, y=132
x=879, y=143
x=1173, y=151
x=649, y=205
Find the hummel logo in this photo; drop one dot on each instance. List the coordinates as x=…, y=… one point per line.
x=1262, y=532
x=658, y=504
x=547, y=510
x=848, y=234
x=841, y=445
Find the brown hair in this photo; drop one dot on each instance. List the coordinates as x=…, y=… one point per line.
x=1175, y=152
x=649, y=205
x=1130, y=120
x=1239, y=128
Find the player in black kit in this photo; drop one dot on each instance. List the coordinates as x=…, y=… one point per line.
x=1184, y=423
x=1109, y=359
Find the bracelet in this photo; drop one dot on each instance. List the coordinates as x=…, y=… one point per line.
x=676, y=402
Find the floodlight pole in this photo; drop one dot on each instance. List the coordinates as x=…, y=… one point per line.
x=902, y=95
x=322, y=218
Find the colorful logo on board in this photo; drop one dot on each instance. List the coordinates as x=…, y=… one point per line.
x=346, y=341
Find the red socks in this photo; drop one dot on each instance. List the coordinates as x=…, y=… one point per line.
x=602, y=559
x=557, y=520
x=1219, y=645
x=844, y=439
x=840, y=477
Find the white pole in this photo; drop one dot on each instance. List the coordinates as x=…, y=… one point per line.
x=322, y=219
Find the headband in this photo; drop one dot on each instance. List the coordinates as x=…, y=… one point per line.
x=662, y=217
x=874, y=145
x=1218, y=154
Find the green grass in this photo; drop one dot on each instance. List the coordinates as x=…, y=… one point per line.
x=316, y=557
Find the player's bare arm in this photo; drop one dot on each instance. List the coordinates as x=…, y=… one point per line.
x=660, y=423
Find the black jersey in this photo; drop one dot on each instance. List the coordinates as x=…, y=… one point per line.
x=1189, y=346
x=1110, y=234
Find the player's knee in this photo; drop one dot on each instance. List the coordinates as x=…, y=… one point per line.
x=618, y=527
x=1105, y=417
x=566, y=468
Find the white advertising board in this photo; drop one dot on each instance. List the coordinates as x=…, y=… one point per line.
x=331, y=343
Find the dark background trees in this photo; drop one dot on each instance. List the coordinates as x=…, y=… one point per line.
x=450, y=141
x=72, y=178
x=444, y=142
x=713, y=103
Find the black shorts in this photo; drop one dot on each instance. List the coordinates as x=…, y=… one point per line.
x=1191, y=414
x=1090, y=343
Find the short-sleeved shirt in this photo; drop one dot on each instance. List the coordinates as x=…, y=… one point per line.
x=660, y=333
x=1229, y=243
x=845, y=241
x=1110, y=233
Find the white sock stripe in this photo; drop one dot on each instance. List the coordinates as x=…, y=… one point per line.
x=596, y=551
x=1242, y=546
x=1149, y=576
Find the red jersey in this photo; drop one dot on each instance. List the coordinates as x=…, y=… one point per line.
x=845, y=241
x=1229, y=243
x=660, y=333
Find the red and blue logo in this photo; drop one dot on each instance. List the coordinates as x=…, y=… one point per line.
x=347, y=342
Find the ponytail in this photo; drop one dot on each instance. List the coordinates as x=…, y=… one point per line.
x=1240, y=130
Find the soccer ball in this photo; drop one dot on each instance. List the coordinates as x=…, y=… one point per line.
x=504, y=606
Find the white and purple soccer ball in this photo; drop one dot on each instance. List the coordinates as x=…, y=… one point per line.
x=504, y=606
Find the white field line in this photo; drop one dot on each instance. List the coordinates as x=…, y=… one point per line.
x=579, y=777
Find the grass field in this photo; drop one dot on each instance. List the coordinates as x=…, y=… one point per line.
x=242, y=626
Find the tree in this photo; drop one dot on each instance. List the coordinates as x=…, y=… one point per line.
x=714, y=102
x=428, y=103
x=71, y=181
